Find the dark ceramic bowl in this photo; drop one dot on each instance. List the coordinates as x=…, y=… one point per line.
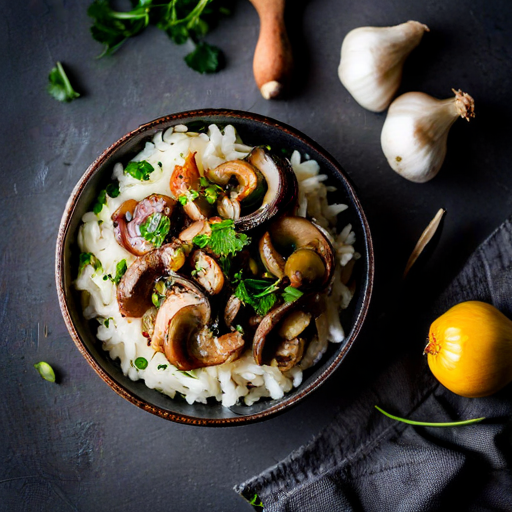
x=254, y=130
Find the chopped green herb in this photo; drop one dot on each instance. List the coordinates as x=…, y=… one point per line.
x=88, y=258
x=46, y=371
x=155, y=228
x=259, y=294
x=428, y=424
x=255, y=501
x=205, y=58
x=183, y=200
x=162, y=366
x=155, y=299
x=100, y=201
x=106, y=322
x=224, y=240
x=112, y=189
x=141, y=363
x=209, y=190
x=291, y=294
x=60, y=87
x=197, y=270
x=240, y=329
x=189, y=373
x=160, y=164
x=121, y=268
x=139, y=170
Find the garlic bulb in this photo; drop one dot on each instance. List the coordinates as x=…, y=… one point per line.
x=372, y=60
x=416, y=129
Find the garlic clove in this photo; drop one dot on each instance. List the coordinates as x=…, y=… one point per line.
x=372, y=60
x=415, y=132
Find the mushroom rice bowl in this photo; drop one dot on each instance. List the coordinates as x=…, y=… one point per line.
x=214, y=269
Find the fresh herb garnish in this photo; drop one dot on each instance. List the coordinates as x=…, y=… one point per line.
x=258, y=293
x=141, y=363
x=428, y=424
x=60, y=87
x=121, y=268
x=206, y=58
x=88, y=258
x=191, y=195
x=139, y=170
x=198, y=269
x=209, y=190
x=46, y=371
x=223, y=240
x=106, y=322
x=155, y=228
x=291, y=294
x=239, y=328
x=161, y=367
x=112, y=190
x=255, y=501
x=182, y=20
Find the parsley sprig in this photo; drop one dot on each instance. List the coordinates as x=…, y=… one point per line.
x=258, y=293
x=155, y=228
x=182, y=20
x=60, y=87
x=223, y=240
x=111, y=190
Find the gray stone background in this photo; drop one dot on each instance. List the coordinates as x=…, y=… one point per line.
x=79, y=446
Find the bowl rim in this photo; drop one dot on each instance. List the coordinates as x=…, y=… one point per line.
x=285, y=402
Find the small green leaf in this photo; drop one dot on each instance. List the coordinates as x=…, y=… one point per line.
x=428, y=424
x=139, y=170
x=291, y=294
x=161, y=367
x=60, y=87
x=46, y=371
x=204, y=59
x=112, y=189
x=141, y=363
x=155, y=228
x=88, y=258
x=183, y=200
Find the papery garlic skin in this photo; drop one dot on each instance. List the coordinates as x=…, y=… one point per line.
x=415, y=132
x=372, y=60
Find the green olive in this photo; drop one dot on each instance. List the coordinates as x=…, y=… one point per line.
x=304, y=267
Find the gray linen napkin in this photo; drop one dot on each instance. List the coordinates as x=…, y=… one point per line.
x=365, y=461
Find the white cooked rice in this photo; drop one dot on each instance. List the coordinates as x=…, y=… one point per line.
x=229, y=382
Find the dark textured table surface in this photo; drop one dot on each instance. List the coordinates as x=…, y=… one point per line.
x=77, y=445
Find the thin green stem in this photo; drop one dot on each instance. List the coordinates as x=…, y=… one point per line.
x=429, y=424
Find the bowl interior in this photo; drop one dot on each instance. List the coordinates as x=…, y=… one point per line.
x=254, y=130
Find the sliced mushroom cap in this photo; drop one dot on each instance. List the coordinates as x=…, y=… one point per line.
x=248, y=178
x=182, y=332
x=289, y=353
x=267, y=338
x=231, y=310
x=136, y=286
x=290, y=234
x=131, y=214
x=228, y=208
x=272, y=260
x=185, y=178
x=207, y=272
x=281, y=188
x=199, y=227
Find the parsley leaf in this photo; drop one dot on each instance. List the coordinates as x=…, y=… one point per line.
x=209, y=190
x=60, y=87
x=113, y=28
x=88, y=258
x=258, y=293
x=155, y=228
x=224, y=240
x=111, y=190
x=139, y=170
x=161, y=367
x=206, y=58
x=291, y=294
x=121, y=268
